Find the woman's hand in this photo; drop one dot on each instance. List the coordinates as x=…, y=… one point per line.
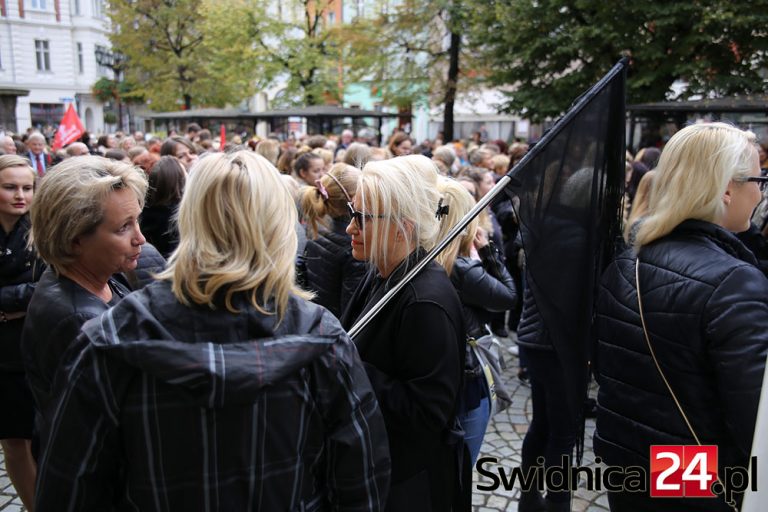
x=481, y=238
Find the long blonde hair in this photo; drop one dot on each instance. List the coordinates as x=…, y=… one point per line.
x=405, y=190
x=237, y=233
x=692, y=175
x=459, y=202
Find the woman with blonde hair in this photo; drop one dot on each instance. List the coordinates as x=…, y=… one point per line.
x=225, y=345
x=19, y=271
x=85, y=226
x=484, y=287
x=682, y=320
x=329, y=269
x=414, y=349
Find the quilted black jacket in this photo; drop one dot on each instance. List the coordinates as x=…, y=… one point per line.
x=706, y=309
x=331, y=271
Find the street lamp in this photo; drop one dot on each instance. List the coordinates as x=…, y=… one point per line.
x=115, y=61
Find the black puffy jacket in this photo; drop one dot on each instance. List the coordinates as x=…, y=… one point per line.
x=330, y=270
x=484, y=287
x=706, y=310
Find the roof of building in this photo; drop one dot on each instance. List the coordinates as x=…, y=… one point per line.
x=235, y=113
x=733, y=104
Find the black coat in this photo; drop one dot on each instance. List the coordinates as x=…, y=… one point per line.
x=330, y=270
x=484, y=287
x=58, y=309
x=159, y=229
x=19, y=271
x=706, y=310
x=414, y=355
x=171, y=407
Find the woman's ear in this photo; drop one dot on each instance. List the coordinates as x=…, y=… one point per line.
x=727, y=195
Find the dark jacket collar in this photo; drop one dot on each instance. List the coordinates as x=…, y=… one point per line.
x=719, y=235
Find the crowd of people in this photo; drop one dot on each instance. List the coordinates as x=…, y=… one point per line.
x=174, y=319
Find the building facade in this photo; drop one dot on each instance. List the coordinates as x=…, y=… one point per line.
x=48, y=47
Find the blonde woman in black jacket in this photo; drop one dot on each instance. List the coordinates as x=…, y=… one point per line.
x=704, y=309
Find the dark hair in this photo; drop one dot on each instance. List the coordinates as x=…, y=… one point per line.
x=166, y=182
x=650, y=157
x=397, y=139
x=303, y=162
x=116, y=154
x=102, y=141
x=169, y=146
x=285, y=161
x=193, y=127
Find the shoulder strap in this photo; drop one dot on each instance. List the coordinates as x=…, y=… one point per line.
x=658, y=367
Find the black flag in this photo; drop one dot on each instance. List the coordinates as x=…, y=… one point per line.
x=570, y=187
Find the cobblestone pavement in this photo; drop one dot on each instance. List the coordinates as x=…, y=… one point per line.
x=503, y=440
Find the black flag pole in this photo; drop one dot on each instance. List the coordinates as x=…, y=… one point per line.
x=503, y=183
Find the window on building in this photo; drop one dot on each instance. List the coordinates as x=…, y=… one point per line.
x=331, y=18
x=80, y=64
x=76, y=7
x=42, y=55
x=37, y=4
x=360, y=7
x=98, y=9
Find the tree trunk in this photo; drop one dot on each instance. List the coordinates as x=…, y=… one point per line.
x=187, y=101
x=450, y=93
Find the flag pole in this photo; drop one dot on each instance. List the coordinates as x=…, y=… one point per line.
x=508, y=179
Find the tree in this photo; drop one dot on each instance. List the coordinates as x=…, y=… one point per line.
x=420, y=53
x=269, y=41
x=548, y=51
x=163, y=43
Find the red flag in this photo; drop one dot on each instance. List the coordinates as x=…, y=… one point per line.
x=223, y=137
x=70, y=129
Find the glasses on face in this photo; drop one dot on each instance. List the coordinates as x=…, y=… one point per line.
x=762, y=181
x=358, y=216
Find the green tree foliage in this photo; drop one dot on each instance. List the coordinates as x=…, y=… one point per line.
x=549, y=51
x=268, y=41
x=167, y=61
x=415, y=52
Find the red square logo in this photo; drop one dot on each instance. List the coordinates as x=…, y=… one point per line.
x=683, y=471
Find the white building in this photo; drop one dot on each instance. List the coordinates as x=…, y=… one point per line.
x=48, y=48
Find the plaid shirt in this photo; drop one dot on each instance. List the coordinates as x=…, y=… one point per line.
x=152, y=418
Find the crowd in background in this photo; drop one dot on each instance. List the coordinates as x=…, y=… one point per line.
x=202, y=229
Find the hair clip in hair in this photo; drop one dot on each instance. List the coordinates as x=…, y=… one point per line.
x=321, y=189
x=442, y=209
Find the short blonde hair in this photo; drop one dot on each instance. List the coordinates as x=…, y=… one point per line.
x=69, y=203
x=692, y=175
x=405, y=190
x=237, y=233
x=269, y=149
x=459, y=202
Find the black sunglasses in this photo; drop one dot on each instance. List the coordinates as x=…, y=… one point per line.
x=359, y=216
x=760, y=180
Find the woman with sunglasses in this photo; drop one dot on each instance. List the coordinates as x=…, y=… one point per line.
x=682, y=318
x=413, y=350
x=329, y=270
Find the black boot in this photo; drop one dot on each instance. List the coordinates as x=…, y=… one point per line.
x=531, y=501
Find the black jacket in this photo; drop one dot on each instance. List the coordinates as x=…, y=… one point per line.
x=159, y=229
x=706, y=309
x=330, y=270
x=170, y=407
x=19, y=271
x=484, y=287
x=59, y=307
x=414, y=355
